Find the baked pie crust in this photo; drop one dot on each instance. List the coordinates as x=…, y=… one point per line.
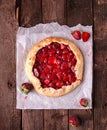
x=49, y=91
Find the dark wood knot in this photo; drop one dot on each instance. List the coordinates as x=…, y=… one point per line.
x=10, y=85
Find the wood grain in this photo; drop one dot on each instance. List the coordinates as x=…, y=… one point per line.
x=55, y=120
x=10, y=118
x=100, y=100
x=31, y=13
x=100, y=34
x=75, y=16
x=54, y=11
x=100, y=59
x=32, y=120
x=79, y=11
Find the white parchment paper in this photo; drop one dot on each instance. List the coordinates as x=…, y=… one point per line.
x=26, y=38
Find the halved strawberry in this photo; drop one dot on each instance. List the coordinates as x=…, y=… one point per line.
x=85, y=36
x=42, y=76
x=46, y=81
x=76, y=34
x=63, y=46
x=36, y=73
x=52, y=60
x=72, y=78
x=59, y=75
x=59, y=84
x=65, y=78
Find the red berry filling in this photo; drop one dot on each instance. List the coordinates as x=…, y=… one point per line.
x=54, y=65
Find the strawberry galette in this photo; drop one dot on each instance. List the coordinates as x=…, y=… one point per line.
x=54, y=66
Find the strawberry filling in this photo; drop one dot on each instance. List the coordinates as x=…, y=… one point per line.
x=54, y=66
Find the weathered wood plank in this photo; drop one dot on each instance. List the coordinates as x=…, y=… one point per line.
x=31, y=15
x=100, y=53
x=32, y=120
x=100, y=34
x=80, y=11
x=10, y=118
x=54, y=10
x=100, y=74
x=55, y=120
x=100, y=100
x=31, y=12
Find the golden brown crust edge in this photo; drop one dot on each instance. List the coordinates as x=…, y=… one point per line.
x=35, y=81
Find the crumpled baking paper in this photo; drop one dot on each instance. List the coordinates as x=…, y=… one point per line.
x=25, y=39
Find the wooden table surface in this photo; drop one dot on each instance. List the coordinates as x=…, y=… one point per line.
x=70, y=12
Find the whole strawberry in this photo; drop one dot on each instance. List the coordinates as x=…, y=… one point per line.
x=85, y=36
x=74, y=121
x=26, y=88
x=76, y=34
x=84, y=102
